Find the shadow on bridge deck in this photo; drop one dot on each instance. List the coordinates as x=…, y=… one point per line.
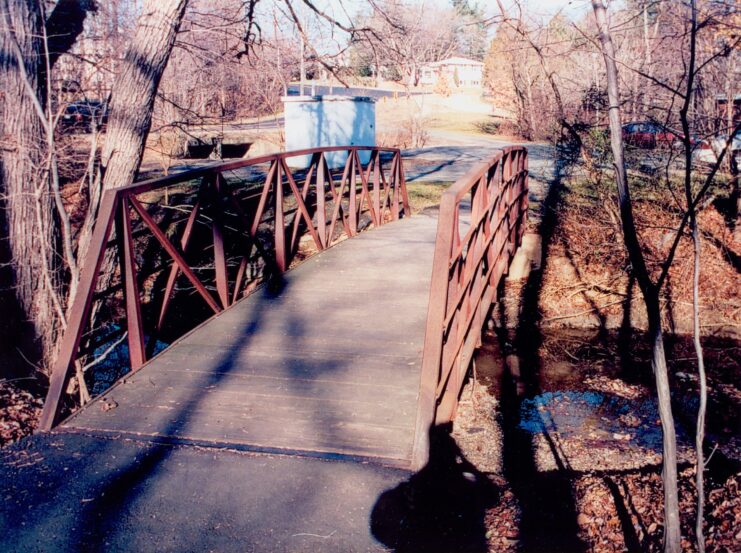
x=325, y=362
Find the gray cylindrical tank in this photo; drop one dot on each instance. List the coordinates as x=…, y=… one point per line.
x=314, y=121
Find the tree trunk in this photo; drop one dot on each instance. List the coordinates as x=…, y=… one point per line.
x=672, y=530
x=132, y=103
x=135, y=90
x=27, y=207
x=30, y=270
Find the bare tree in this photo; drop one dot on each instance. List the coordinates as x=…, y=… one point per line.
x=403, y=38
x=650, y=291
x=651, y=288
x=130, y=120
x=32, y=42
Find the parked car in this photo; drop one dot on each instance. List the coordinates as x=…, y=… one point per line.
x=707, y=151
x=84, y=116
x=648, y=134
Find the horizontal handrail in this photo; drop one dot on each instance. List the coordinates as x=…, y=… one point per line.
x=474, y=246
x=255, y=228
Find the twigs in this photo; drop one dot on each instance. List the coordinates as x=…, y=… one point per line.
x=585, y=312
x=103, y=356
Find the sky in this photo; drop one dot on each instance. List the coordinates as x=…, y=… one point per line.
x=537, y=8
x=344, y=10
x=548, y=8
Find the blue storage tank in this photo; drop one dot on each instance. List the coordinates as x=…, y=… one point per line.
x=314, y=121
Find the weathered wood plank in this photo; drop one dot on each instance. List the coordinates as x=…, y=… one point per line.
x=328, y=363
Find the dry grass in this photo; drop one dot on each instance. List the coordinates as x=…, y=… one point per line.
x=425, y=194
x=392, y=113
x=586, y=279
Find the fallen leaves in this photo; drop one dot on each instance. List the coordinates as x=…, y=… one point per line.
x=19, y=412
x=615, y=386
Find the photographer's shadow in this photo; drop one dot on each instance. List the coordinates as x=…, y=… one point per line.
x=441, y=508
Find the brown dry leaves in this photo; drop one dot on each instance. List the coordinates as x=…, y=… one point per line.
x=503, y=520
x=19, y=412
x=586, y=278
x=624, y=511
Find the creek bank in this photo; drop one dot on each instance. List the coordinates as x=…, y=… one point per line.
x=565, y=424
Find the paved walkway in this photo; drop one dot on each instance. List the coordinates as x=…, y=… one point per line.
x=76, y=492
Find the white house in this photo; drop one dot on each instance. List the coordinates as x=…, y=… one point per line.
x=462, y=72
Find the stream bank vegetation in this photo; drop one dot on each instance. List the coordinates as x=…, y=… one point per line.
x=671, y=67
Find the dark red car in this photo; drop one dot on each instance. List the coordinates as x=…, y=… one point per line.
x=648, y=135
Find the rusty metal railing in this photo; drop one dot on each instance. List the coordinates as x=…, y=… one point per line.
x=481, y=223
x=220, y=230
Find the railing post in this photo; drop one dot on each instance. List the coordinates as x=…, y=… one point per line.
x=352, y=207
x=394, y=184
x=79, y=312
x=433, y=345
x=127, y=261
x=217, y=226
x=525, y=188
x=402, y=183
x=280, y=230
x=321, y=208
x=376, y=160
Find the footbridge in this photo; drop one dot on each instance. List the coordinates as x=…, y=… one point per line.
x=339, y=324
x=287, y=306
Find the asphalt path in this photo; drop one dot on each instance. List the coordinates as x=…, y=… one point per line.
x=323, y=90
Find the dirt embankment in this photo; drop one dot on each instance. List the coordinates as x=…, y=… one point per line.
x=585, y=281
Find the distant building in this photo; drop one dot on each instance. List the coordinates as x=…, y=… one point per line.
x=461, y=72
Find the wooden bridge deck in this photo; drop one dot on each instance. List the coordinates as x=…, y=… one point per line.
x=328, y=364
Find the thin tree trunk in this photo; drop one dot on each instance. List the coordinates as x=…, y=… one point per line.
x=672, y=530
x=700, y=428
x=700, y=423
x=132, y=103
x=531, y=109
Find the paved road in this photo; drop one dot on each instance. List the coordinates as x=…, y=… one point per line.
x=453, y=154
x=322, y=90
x=462, y=151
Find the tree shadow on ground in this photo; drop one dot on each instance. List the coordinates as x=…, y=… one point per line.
x=548, y=511
x=441, y=508
x=99, y=520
